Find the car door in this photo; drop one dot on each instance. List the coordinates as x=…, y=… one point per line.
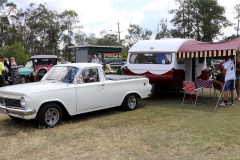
x=90, y=90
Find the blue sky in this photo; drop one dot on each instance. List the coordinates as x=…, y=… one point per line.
x=97, y=15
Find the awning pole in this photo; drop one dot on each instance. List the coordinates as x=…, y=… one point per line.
x=234, y=79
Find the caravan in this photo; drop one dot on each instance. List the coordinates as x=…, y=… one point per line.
x=158, y=61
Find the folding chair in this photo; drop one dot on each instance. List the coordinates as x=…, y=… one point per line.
x=189, y=88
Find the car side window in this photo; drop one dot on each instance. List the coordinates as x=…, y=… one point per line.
x=90, y=75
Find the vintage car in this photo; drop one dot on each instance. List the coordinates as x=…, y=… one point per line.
x=26, y=70
x=41, y=65
x=72, y=89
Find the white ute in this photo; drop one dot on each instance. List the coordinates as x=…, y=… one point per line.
x=73, y=89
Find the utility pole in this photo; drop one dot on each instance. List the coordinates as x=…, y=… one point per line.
x=119, y=35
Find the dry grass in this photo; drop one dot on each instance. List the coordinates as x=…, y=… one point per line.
x=161, y=128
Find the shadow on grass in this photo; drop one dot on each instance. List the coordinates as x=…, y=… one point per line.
x=19, y=125
x=174, y=100
x=93, y=115
x=13, y=126
x=162, y=99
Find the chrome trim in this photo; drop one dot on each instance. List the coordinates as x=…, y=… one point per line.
x=25, y=112
x=6, y=97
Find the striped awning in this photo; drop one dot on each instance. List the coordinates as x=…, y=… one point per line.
x=215, y=53
x=192, y=48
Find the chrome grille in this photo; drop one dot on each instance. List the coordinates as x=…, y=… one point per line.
x=42, y=72
x=12, y=102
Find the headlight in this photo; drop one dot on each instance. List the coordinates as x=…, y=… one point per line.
x=23, y=102
x=34, y=73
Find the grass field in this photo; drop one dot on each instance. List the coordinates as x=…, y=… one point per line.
x=160, y=128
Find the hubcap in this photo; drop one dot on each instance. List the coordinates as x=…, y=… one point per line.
x=51, y=116
x=132, y=102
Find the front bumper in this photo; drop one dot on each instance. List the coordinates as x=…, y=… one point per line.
x=26, y=112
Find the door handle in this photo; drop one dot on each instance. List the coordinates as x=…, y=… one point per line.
x=102, y=84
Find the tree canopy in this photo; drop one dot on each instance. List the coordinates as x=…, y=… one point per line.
x=136, y=33
x=200, y=19
x=43, y=31
x=17, y=51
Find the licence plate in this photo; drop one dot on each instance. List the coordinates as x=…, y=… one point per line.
x=3, y=111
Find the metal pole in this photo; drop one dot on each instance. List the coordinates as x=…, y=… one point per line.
x=219, y=98
x=234, y=80
x=119, y=35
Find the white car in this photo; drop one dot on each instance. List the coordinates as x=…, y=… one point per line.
x=72, y=88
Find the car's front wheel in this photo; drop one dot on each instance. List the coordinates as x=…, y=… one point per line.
x=130, y=102
x=49, y=115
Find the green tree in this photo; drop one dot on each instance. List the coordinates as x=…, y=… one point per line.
x=236, y=10
x=69, y=18
x=17, y=51
x=200, y=19
x=40, y=21
x=227, y=38
x=124, y=53
x=91, y=39
x=107, y=39
x=183, y=17
x=7, y=12
x=162, y=31
x=136, y=33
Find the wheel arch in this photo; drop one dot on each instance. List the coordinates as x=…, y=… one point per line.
x=64, y=110
x=134, y=92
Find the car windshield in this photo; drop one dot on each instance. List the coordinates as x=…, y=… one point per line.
x=45, y=61
x=29, y=64
x=63, y=74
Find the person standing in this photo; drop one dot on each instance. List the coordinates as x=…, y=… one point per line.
x=238, y=76
x=229, y=72
x=7, y=67
x=58, y=61
x=2, y=69
x=73, y=60
x=15, y=78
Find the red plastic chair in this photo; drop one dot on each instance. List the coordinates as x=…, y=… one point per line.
x=189, y=88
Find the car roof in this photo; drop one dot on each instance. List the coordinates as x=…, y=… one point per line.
x=43, y=56
x=80, y=65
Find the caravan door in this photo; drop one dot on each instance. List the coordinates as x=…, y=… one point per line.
x=194, y=66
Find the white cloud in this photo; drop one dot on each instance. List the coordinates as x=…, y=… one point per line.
x=157, y=5
x=229, y=14
x=120, y=0
x=138, y=0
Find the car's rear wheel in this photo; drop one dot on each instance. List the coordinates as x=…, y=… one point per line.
x=130, y=102
x=49, y=115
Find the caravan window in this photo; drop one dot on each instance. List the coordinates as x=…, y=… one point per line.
x=155, y=58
